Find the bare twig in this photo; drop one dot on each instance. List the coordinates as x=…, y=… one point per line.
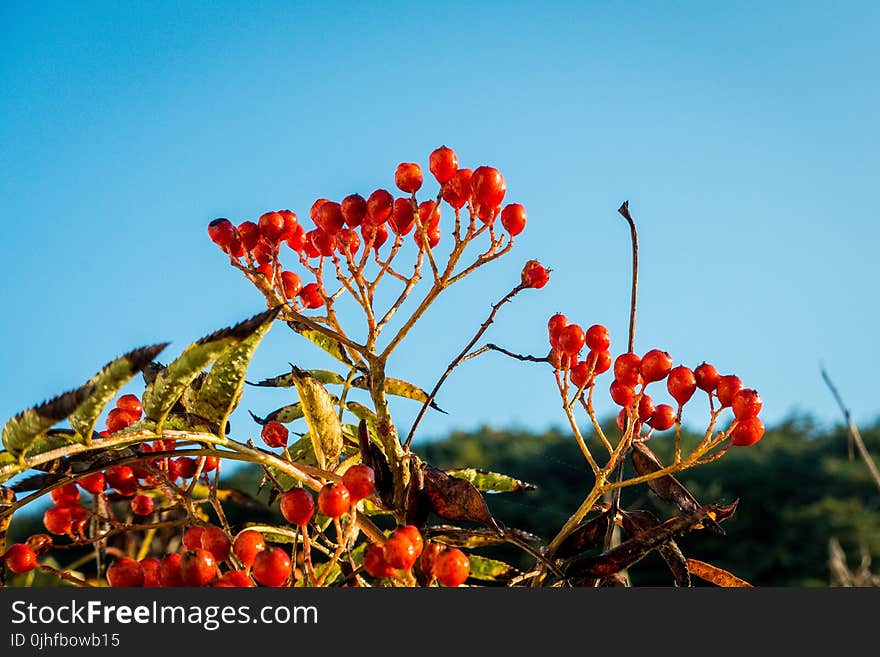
x=853, y=430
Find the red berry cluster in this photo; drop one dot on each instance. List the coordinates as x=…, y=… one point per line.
x=347, y=230
x=396, y=556
x=633, y=374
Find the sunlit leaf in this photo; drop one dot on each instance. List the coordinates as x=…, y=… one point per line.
x=716, y=575
x=491, y=570
x=491, y=482
x=221, y=390
x=327, y=377
x=399, y=388
x=21, y=431
x=171, y=382
x=320, y=414
x=109, y=381
x=328, y=344
x=285, y=414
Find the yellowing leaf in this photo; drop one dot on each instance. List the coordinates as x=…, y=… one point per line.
x=715, y=575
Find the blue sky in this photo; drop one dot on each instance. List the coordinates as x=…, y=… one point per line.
x=744, y=135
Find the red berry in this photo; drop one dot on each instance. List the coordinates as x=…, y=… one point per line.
x=141, y=505
x=211, y=463
x=727, y=388
x=681, y=384
x=374, y=235
x=275, y=434
x=598, y=338
x=125, y=573
x=746, y=403
x=571, y=339
x=186, y=467
x=622, y=394
x=310, y=296
x=66, y=495
x=580, y=374
x=271, y=567
x=334, y=499
x=169, y=571
x=291, y=221
x=600, y=360
x=120, y=418
x=313, y=211
x=348, y=241
x=323, y=243
x=236, y=248
x=554, y=327
x=93, y=483
x=487, y=213
x=429, y=216
x=329, y=217
x=234, y=579
x=408, y=177
x=513, y=218
x=747, y=432
x=360, y=480
x=192, y=538
x=296, y=240
x=443, y=163
x=706, y=377
x=297, y=506
x=452, y=567
x=217, y=542
x=264, y=253
x=249, y=233
x=131, y=403
x=403, y=218
x=354, y=209
x=428, y=560
x=150, y=567
x=663, y=417
x=534, y=275
x=221, y=231
x=375, y=563
x=646, y=408
x=379, y=207
x=247, y=545
x=414, y=535
x=457, y=190
x=622, y=421
x=20, y=558
x=197, y=567
x=121, y=477
x=291, y=283
x=656, y=364
x=400, y=551
x=627, y=369
x=271, y=225
x=488, y=186
x=58, y=520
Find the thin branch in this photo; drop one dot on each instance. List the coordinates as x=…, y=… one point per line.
x=458, y=359
x=853, y=430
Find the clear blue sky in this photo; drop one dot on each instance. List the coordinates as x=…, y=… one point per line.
x=744, y=134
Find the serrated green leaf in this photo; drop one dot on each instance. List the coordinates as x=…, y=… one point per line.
x=491, y=570
x=327, y=377
x=325, y=428
x=491, y=482
x=221, y=391
x=21, y=431
x=109, y=381
x=169, y=384
x=285, y=414
x=399, y=388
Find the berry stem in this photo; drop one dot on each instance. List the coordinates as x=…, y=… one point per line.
x=459, y=359
x=66, y=576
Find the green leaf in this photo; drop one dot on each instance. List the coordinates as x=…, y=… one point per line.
x=491, y=482
x=221, y=391
x=169, y=384
x=109, y=381
x=21, y=431
x=327, y=377
x=320, y=414
x=285, y=414
x=328, y=344
x=361, y=412
x=399, y=388
x=491, y=570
